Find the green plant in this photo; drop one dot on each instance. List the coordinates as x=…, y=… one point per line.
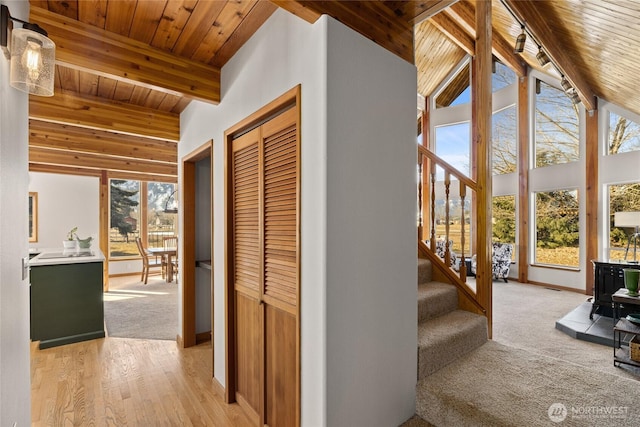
x=71, y=235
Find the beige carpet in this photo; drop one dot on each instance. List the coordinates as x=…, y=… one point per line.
x=528, y=349
x=498, y=385
x=135, y=310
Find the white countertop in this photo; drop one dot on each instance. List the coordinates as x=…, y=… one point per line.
x=55, y=256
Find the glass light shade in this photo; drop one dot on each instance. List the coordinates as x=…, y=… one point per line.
x=520, y=40
x=32, y=62
x=543, y=59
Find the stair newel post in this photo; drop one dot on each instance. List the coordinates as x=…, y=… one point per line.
x=432, y=220
x=447, y=185
x=463, y=265
x=420, y=213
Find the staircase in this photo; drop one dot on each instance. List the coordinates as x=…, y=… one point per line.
x=444, y=333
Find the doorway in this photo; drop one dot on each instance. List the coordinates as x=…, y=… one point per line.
x=196, y=246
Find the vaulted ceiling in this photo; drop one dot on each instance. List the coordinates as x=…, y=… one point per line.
x=126, y=69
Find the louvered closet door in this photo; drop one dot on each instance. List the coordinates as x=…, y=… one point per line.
x=246, y=267
x=265, y=187
x=281, y=281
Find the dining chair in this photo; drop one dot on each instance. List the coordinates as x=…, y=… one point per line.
x=171, y=242
x=147, y=261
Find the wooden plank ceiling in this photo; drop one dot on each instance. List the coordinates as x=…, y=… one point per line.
x=127, y=69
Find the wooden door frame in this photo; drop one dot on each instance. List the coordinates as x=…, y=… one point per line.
x=187, y=241
x=289, y=98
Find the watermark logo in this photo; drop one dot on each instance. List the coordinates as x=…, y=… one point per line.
x=557, y=412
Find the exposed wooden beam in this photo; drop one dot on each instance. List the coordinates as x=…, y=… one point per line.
x=98, y=113
x=528, y=12
x=68, y=170
x=77, y=139
x=523, y=115
x=88, y=48
x=455, y=32
x=593, y=203
x=482, y=146
x=464, y=14
x=372, y=19
x=99, y=162
x=432, y=10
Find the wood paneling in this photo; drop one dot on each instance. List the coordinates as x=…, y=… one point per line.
x=112, y=116
x=99, y=162
x=83, y=140
x=88, y=48
x=436, y=57
x=537, y=24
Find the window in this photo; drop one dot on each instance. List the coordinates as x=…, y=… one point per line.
x=504, y=220
x=624, y=134
x=622, y=198
x=124, y=217
x=458, y=91
x=504, y=137
x=452, y=145
x=160, y=224
x=502, y=77
x=557, y=220
x=127, y=215
x=557, y=136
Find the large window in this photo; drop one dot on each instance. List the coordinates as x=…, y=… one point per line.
x=501, y=77
x=160, y=223
x=557, y=132
x=624, y=134
x=622, y=198
x=557, y=234
x=127, y=215
x=452, y=145
x=504, y=137
x=504, y=220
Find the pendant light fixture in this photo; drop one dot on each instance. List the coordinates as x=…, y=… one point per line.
x=565, y=84
x=32, y=55
x=542, y=57
x=520, y=41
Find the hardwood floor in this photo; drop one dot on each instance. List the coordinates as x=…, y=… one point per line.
x=127, y=382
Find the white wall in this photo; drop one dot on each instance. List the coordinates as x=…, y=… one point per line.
x=378, y=362
x=64, y=202
x=15, y=384
x=371, y=233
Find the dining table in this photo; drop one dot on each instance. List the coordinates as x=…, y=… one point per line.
x=169, y=253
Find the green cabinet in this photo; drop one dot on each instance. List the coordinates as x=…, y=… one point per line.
x=66, y=303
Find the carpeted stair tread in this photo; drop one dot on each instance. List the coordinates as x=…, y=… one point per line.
x=443, y=339
x=499, y=385
x=424, y=270
x=436, y=299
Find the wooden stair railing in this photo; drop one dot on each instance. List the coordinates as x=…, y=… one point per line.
x=427, y=163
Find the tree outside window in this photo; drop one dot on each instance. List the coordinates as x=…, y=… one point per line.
x=557, y=228
x=124, y=217
x=557, y=127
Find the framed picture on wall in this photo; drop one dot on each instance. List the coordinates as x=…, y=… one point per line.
x=33, y=217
